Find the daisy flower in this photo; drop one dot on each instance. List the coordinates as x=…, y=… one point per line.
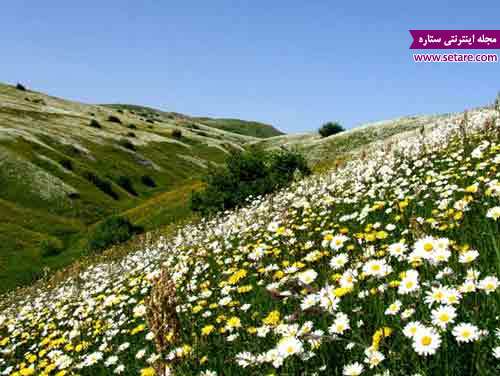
x=426, y=341
x=443, y=315
x=465, y=332
x=488, y=284
x=353, y=369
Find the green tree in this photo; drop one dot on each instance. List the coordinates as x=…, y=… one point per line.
x=330, y=128
x=248, y=173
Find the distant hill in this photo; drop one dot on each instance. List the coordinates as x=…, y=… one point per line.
x=243, y=127
x=65, y=166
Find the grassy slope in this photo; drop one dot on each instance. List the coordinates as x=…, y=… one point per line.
x=40, y=199
x=250, y=128
x=211, y=255
x=324, y=153
x=242, y=127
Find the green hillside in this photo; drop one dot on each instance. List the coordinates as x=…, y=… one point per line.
x=242, y=127
x=249, y=128
x=386, y=265
x=65, y=166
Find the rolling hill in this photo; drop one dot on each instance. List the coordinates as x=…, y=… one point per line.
x=64, y=166
x=387, y=264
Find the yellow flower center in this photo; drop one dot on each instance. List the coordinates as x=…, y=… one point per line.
x=426, y=340
x=444, y=317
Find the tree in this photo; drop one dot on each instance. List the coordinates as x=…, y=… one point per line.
x=330, y=128
x=248, y=173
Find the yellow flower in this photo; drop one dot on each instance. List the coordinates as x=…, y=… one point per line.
x=150, y=371
x=403, y=204
x=207, y=330
x=379, y=334
x=244, y=289
x=234, y=322
x=394, y=283
x=238, y=275
x=341, y=291
x=370, y=237
x=138, y=329
x=27, y=371
x=279, y=274
x=197, y=308
x=471, y=188
x=272, y=318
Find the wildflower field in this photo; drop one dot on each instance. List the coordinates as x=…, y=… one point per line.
x=388, y=265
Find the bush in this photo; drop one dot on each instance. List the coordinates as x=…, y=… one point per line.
x=148, y=181
x=51, y=247
x=95, y=124
x=177, y=133
x=67, y=164
x=131, y=134
x=114, y=119
x=21, y=87
x=126, y=144
x=126, y=183
x=132, y=126
x=111, y=231
x=330, y=128
x=248, y=173
x=103, y=185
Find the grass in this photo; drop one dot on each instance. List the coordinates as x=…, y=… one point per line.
x=242, y=127
x=48, y=151
x=300, y=282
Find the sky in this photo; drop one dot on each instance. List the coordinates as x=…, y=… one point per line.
x=294, y=64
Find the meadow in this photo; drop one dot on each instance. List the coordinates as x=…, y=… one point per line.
x=387, y=264
x=65, y=167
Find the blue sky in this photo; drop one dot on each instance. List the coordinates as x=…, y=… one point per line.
x=294, y=64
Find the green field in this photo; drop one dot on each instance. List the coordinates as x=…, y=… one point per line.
x=59, y=175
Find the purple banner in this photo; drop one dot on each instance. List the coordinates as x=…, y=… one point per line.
x=455, y=39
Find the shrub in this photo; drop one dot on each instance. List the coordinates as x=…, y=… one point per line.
x=248, y=173
x=132, y=126
x=95, y=124
x=111, y=231
x=150, y=121
x=67, y=164
x=126, y=183
x=73, y=195
x=51, y=247
x=21, y=87
x=148, y=181
x=130, y=134
x=114, y=119
x=177, y=133
x=126, y=144
x=103, y=185
x=330, y=128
